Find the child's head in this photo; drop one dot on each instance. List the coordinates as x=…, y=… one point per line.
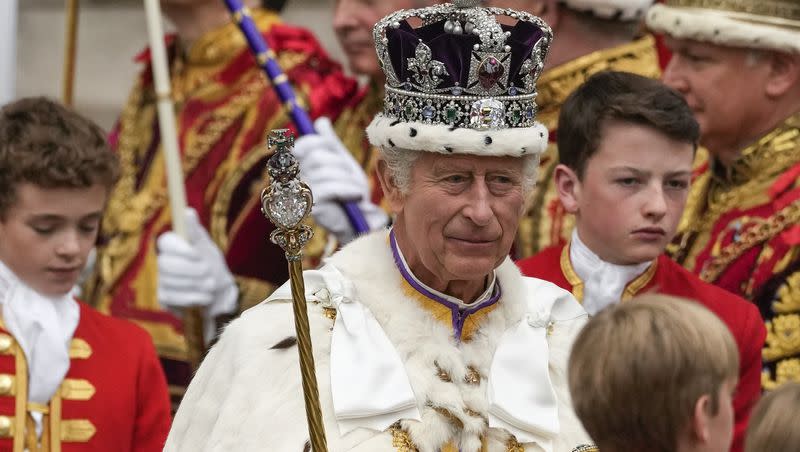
x=625, y=146
x=656, y=373
x=773, y=423
x=55, y=174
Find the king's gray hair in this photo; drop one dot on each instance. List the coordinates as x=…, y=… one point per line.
x=400, y=162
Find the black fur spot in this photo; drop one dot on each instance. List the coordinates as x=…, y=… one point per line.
x=488, y=140
x=523, y=151
x=412, y=132
x=394, y=123
x=289, y=342
x=391, y=143
x=541, y=134
x=448, y=149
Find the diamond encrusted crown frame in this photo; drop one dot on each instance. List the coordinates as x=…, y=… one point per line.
x=491, y=92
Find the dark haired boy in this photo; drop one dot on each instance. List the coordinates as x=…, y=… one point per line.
x=71, y=378
x=626, y=146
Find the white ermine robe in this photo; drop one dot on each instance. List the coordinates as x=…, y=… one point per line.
x=391, y=374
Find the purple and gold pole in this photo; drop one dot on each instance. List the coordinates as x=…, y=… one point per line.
x=267, y=61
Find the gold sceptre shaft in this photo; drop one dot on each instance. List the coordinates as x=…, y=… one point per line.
x=287, y=201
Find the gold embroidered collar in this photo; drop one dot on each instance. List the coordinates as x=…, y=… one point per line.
x=773, y=154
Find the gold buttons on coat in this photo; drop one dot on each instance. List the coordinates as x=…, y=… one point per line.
x=5, y=427
x=6, y=384
x=5, y=344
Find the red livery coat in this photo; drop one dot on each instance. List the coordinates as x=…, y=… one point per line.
x=666, y=277
x=114, y=396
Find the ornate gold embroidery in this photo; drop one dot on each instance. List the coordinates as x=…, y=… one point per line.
x=783, y=337
x=785, y=372
x=447, y=414
x=556, y=84
x=512, y=445
x=442, y=374
x=329, y=313
x=473, y=377
x=744, y=185
x=401, y=440
x=761, y=231
x=788, y=296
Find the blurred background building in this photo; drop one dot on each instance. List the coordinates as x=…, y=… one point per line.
x=110, y=34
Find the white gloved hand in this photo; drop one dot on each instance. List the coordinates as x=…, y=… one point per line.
x=195, y=274
x=334, y=176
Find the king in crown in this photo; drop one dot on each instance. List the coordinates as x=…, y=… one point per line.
x=426, y=338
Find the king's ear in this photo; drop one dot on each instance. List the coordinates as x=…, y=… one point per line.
x=391, y=191
x=568, y=186
x=784, y=73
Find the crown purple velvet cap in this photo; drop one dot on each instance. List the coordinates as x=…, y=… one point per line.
x=462, y=82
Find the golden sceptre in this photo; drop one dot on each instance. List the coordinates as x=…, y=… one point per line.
x=287, y=201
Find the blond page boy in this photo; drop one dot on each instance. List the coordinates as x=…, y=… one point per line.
x=667, y=387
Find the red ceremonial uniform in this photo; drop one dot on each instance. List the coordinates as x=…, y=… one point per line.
x=741, y=231
x=224, y=109
x=667, y=277
x=113, y=398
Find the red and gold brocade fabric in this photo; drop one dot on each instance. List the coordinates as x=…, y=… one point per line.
x=741, y=231
x=546, y=223
x=224, y=109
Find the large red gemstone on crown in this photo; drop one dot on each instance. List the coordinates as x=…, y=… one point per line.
x=490, y=71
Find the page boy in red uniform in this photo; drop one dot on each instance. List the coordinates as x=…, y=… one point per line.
x=626, y=146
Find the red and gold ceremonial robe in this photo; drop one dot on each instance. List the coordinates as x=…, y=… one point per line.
x=224, y=109
x=741, y=231
x=666, y=277
x=114, y=396
x=547, y=223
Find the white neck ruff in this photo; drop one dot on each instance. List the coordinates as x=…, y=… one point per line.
x=603, y=282
x=43, y=327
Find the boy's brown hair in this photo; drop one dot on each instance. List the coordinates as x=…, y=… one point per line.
x=619, y=96
x=637, y=370
x=773, y=423
x=48, y=145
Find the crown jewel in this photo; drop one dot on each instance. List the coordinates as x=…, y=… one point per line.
x=462, y=67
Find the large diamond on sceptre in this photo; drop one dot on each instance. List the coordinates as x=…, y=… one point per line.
x=286, y=201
